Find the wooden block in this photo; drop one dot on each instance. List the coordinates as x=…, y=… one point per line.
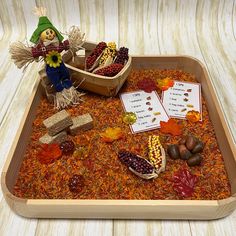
x=81, y=123
x=58, y=122
x=44, y=77
x=58, y=138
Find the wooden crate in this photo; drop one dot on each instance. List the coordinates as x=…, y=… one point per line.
x=129, y=209
x=103, y=85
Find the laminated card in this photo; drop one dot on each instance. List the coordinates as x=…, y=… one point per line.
x=181, y=98
x=148, y=109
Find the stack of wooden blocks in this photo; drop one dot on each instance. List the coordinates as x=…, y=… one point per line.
x=61, y=124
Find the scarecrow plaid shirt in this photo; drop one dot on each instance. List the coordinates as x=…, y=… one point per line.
x=42, y=50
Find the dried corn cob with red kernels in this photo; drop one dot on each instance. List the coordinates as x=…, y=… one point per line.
x=90, y=60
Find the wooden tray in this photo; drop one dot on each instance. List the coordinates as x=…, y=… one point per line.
x=129, y=209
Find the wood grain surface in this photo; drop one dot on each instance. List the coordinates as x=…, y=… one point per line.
x=205, y=29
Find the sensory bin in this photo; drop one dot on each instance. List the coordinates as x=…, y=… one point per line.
x=94, y=171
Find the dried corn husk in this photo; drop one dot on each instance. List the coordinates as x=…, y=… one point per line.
x=163, y=164
x=156, y=172
x=153, y=175
x=144, y=176
x=76, y=38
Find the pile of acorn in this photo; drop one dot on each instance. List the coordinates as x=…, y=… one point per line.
x=189, y=149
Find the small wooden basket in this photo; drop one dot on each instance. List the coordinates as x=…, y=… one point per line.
x=103, y=85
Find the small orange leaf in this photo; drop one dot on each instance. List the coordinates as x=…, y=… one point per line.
x=111, y=134
x=165, y=84
x=171, y=127
x=49, y=153
x=193, y=116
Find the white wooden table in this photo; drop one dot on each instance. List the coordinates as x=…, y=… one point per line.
x=201, y=28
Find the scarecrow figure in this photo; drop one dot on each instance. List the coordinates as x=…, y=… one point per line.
x=49, y=44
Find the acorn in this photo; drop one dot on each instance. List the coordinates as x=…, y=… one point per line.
x=173, y=151
x=191, y=142
x=183, y=140
x=185, y=154
x=198, y=147
x=195, y=160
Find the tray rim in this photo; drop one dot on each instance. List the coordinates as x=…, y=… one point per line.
x=229, y=204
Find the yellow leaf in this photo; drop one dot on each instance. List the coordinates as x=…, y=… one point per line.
x=165, y=83
x=111, y=134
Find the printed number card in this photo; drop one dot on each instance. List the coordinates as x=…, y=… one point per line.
x=181, y=98
x=148, y=109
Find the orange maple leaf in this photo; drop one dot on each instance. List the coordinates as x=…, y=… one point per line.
x=171, y=127
x=111, y=134
x=193, y=116
x=165, y=84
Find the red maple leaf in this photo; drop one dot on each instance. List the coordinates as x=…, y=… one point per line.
x=147, y=85
x=184, y=182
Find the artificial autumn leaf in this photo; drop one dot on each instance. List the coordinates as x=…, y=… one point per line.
x=49, y=153
x=193, y=116
x=165, y=84
x=129, y=118
x=171, y=127
x=111, y=134
x=184, y=183
x=147, y=85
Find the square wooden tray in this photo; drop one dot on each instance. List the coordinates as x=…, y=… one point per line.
x=128, y=209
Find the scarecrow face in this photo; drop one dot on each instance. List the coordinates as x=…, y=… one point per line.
x=48, y=34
